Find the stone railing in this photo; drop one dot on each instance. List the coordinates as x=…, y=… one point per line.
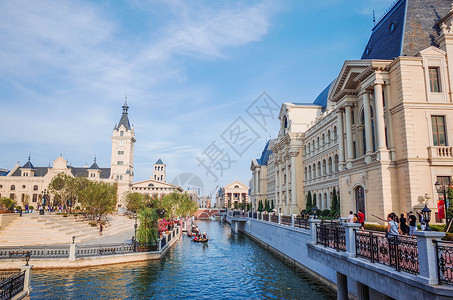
x=440, y=152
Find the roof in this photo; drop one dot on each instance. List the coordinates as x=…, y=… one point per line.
x=321, y=100
x=28, y=164
x=4, y=172
x=406, y=29
x=265, y=155
x=124, y=118
x=39, y=171
x=159, y=162
x=83, y=172
x=94, y=166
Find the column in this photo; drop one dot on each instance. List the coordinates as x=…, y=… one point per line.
x=72, y=251
x=342, y=286
x=294, y=207
x=349, y=146
x=363, y=292
x=368, y=128
x=287, y=200
x=349, y=229
x=27, y=279
x=427, y=255
x=277, y=183
x=389, y=123
x=379, y=117
x=340, y=140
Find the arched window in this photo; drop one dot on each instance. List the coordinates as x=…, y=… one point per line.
x=335, y=133
x=121, y=177
x=329, y=166
x=324, y=167
x=309, y=148
x=35, y=188
x=336, y=163
x=305, y=173
x=121, y=133
x=314, y=171
x=323, y=139
x=236, y=186
x=360, y=198
x=305, y=149
x=318, y=171
x=314, y=146
x=309, y=173
x=150, y=184
x=317, y=142
x=325, y=202
x=13, y=187
x=328, y=136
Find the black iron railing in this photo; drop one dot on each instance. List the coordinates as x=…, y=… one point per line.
x=301, y=223
x=273, y=218
x=394, y=251
x=101, y=250
x=444, y=259
x=255, y=215
x=331, y=236
x=12, y=285
x=163, y=242
x=53, y=251
x=285, y=220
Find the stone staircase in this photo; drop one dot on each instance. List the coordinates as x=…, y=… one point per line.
x=33, y=229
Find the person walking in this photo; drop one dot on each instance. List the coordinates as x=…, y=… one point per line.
x=361, y=217
x=412, y=224
x=351, y=217
x=393, y=230
x=101, y=228
x=403, y=225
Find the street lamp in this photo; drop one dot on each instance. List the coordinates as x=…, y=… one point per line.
x=441, y=189
x=135, y=233
x=426, y=212
x=314, y=209
x=27, y=257
x=73, y=239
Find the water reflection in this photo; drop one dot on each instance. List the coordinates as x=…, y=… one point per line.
x=231, y=266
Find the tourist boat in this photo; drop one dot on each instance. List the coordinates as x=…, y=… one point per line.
x=195, y=239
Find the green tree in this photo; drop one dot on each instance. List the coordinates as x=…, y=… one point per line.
x=147, y=231
x=272, y=205
x=338, y=208
x=314, y=201
x=334, y=204
x=97, y=198
x=178, y=204
x=135, y=201
x=308, y=203
x=266, y=205
x=64, y=189
x=260, y=206
x=7, y=203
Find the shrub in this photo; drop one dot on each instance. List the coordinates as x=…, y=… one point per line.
x=448, y=237
x=31, y=207
x=325, y=212
x=18, y=207
x=375, y=227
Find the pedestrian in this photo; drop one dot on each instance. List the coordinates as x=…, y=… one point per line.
x=403, y=225
x=393, y=230
x=361, y=217
x=422, y=221
x=101, y=228
x=351, y=217
x=412, y=224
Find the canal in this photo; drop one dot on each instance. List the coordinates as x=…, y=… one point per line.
x=231, y=266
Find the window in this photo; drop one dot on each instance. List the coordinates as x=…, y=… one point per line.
x=121, y=143
x=35, y=188
x=360, y=198
x=119, y=163
x=335, y=132
x=12, y=196
x=121, y=133
x=434, y=80
x=23, y=186
x=439, y=134
x=120, y=152
x=13, y=188
x=443, y=181
x=324, y=167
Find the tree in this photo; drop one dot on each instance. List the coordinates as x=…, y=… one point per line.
x=7, y=203
x=334, y=204
x=272, y=205
x=338, y=208
x=147, y=230
x=177, y=204
x=64, y=188
x=135, y=201
x=266, y=205
x=97, y=198
x=314, y=201
x=260, y=206
x=308, y=203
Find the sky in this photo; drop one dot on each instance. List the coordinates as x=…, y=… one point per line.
x=191, y=71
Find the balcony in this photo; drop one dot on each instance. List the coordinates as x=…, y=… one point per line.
x=440, y=154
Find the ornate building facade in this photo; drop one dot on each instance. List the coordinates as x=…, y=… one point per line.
x=232, y=194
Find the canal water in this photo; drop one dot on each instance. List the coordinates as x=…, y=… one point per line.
x=230, y=266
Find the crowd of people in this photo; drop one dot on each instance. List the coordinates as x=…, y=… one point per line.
x=403, y=225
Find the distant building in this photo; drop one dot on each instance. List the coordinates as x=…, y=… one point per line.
x=232, y=194
x=260, y=182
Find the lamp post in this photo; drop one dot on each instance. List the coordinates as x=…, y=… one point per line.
x=27, y=257
x=426, y=212
x=314, y=210
x=441, y=189
x=73, y=239
x=135, y=233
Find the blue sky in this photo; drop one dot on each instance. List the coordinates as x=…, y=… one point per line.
x=189, y=69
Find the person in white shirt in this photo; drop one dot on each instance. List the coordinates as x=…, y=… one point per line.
x=351, y=217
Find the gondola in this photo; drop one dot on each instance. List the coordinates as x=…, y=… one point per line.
x=195, y=239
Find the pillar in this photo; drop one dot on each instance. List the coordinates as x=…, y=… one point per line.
x=379, y=117
x=27, y=279
x=313, y=223
x=363, y=292
x=342, y=286
x=287, y=200
x=72, y=251
x=349, y=229
x=294, y=207
x=389, y=123
x=293, y=220
x=427, y=254
x=349, y=146
x=340, y=140
x=368, y=128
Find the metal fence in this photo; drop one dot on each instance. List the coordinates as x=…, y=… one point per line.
x=331, y=236
x=394, y=251
x=444, y=259
x=12, y=285
x=101, y=250
x=54, y=251
x=273, y=218
x=301, y=223
x=285, y=220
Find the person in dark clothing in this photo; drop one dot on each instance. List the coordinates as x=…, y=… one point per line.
x=412, y=223
x=403, y=225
